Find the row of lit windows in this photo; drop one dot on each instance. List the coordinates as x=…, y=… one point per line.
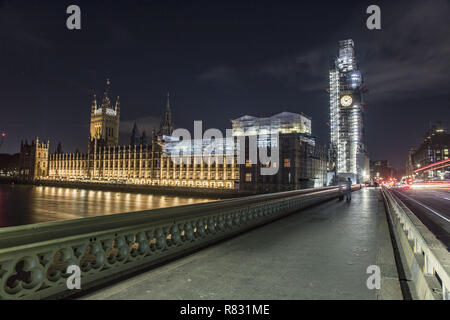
x=287, y=163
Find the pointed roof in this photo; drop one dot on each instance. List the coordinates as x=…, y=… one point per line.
x=94, y=101
x=168, y=102
x=107, y=86
x=166, y=127
x=134, y=138
x=105, y=101
x=134, y=130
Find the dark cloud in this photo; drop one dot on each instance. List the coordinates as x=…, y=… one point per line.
x=410, y=56
x=307, y=71
x=18, y=28
x=218, y=74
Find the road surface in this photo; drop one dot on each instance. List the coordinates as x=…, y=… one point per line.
x=432, y=207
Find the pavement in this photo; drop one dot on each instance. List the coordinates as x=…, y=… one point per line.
x=432, y=207
x=319, y=253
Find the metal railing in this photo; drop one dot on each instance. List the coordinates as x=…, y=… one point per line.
x=427, y=259
x=34, y=258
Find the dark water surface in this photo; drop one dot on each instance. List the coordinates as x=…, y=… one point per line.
x=26, y=204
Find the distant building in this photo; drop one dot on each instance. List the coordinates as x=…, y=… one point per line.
x=105, y=120
x=157, y=162
x=433, y=150
x=9, y=164
x=410, y=167
x=282, y=123
x=183, y=163
x=380, y=169
x=301, y=163
x=33, y=159
x=347, y=116
x=140, y=162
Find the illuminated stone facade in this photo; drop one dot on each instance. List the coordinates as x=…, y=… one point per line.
x=33, y=159
x=142, y=164
x=105, y=120
x=160, y=162
x=150, y=164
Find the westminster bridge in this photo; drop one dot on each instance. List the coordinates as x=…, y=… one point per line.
x=301, y=244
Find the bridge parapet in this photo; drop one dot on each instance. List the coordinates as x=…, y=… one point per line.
x=426, y=260
x=34, y=258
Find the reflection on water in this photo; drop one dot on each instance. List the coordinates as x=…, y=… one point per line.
x=25, y=204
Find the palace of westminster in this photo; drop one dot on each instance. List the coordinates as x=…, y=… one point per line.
x=302, y=163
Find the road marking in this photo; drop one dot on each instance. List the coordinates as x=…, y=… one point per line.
x=426, y=207
x=446, y=198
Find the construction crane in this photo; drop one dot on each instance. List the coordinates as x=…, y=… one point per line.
x=2, y=138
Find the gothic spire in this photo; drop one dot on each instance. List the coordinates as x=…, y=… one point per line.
x=166, y=126
x=168, y=102
x=134, y=130
x=94, y=102
x=143, y=138
x=118, y=103
x=134, y=139
x=105, y=102
x=107, y=87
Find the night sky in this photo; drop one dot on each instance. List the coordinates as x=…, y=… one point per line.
x=220, y=60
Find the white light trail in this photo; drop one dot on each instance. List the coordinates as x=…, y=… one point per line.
x=426, y=207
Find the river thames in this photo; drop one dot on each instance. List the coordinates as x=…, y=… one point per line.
x=27, y=204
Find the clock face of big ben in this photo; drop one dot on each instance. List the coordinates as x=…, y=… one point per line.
x=346, y=100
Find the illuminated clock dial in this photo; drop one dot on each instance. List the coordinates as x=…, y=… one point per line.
x=346, y=100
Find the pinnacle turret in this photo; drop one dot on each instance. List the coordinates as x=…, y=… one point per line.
x=166, y=126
